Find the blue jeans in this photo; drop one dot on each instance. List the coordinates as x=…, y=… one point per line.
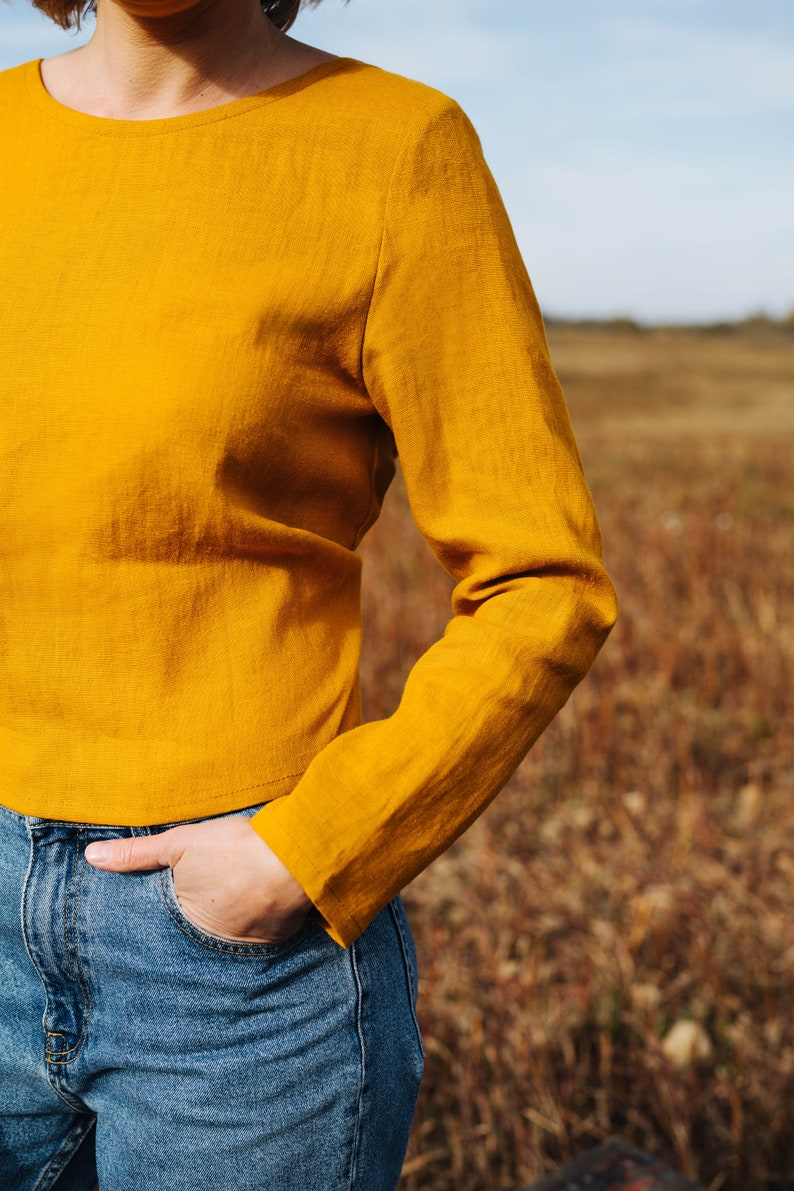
x=140, y=1050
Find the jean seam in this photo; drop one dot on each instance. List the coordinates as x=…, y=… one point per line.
x=23, y=904
x=61, y=1160
x=363, y=1064
x=413, y=991
x=54, y=1056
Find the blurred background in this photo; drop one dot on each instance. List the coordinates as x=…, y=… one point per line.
x=610, y=949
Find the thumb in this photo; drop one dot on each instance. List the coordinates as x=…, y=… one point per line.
x=140, y=852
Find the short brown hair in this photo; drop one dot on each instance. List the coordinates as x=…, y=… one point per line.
x=68, y=13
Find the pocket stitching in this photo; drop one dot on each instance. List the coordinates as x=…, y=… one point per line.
x=217, y=942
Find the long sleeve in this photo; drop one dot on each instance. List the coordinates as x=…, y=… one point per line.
x=455, y=362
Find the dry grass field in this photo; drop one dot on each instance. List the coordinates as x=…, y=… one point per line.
x=611, y=947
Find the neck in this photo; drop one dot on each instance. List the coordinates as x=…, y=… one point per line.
x=138, y=65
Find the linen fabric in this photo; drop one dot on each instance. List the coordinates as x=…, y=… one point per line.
x=143, y=1051
x=216, y=332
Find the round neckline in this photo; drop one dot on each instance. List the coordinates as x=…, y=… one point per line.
x=109, y=126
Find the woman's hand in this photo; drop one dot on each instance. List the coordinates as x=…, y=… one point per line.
x=227, y=880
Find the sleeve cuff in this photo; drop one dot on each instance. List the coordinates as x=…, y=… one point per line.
x=272, y=824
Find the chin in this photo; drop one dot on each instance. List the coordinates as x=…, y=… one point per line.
x=153, y=9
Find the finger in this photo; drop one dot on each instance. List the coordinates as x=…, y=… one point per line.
x=132, y=855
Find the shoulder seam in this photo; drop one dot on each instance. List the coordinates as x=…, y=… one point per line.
x=427, y=119
x=376, y=271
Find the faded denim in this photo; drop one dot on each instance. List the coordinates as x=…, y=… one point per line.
x=139, y=1049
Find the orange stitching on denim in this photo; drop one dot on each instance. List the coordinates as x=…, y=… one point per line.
x=49, y=1054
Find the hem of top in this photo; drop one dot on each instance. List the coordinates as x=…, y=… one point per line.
x=80, y=813
x=108, y=126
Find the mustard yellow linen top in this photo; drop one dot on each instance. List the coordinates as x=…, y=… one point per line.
x=216, y=330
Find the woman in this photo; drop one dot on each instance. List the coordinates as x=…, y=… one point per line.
x=237, y=274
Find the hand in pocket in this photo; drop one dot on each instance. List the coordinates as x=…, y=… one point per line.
x=226, y=878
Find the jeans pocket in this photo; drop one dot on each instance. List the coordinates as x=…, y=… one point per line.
x=218, y=942
x=206, y=938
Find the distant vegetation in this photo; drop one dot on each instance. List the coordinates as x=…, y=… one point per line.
x=754, y=325
x=611, y=947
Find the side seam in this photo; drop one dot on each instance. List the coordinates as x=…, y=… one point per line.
x=356, y=974
x=406, y=949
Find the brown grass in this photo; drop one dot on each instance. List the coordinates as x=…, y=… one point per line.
x=638, y=871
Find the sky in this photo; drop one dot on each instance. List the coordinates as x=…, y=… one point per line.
x=644, y=148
